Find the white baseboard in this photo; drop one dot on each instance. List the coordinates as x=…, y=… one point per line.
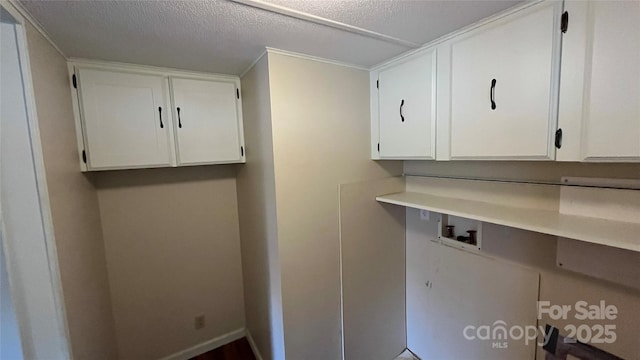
x=254, y=348
x=207, y=345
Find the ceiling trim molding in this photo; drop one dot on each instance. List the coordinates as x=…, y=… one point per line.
x=253, y=63
x=150, y=69
x=27, y=16
x=301, y=15
x=271, y=50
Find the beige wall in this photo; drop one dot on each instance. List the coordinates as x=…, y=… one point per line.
x=74, y=207
x=257, y=208
x=372, y=240
x=521, y=170
x=320, y=120
x=173, y=252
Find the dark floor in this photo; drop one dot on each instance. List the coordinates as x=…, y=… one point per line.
x=237, y=350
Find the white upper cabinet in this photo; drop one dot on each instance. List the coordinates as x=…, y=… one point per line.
x=407, y=108
x=503, y=86
x=125, y=118
x=600, y=93
x=130, y=116
x=206, y=121
x=485, y=93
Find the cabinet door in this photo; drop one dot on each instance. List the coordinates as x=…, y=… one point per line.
x=504, y=78
x=600, y=104
x=126, y=120
x=207, y=126
x=407, y=108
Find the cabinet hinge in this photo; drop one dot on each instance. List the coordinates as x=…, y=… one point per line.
x=238, y=93
x=84, y=156
x=377, y=84
x=74, y=80
x=564, y=23
x=558, y=138
x=378, y=147
x=241, y=150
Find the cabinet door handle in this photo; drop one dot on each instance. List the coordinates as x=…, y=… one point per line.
x=160, y=113
x=179, y=120
x=401, y=105
x=492, y=94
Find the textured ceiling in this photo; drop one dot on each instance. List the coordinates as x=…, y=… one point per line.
x=418, y=21
x=225, y=37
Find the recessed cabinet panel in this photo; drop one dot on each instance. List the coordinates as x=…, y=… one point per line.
x=612, y=81
x=422, y=261
x=450, y=290
x=502, y=87
x=126, y=119
x=407, y=108
x=206, y=121
x=460, y=291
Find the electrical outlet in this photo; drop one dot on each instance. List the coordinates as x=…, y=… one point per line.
x=199, y=322
x=425, y=215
